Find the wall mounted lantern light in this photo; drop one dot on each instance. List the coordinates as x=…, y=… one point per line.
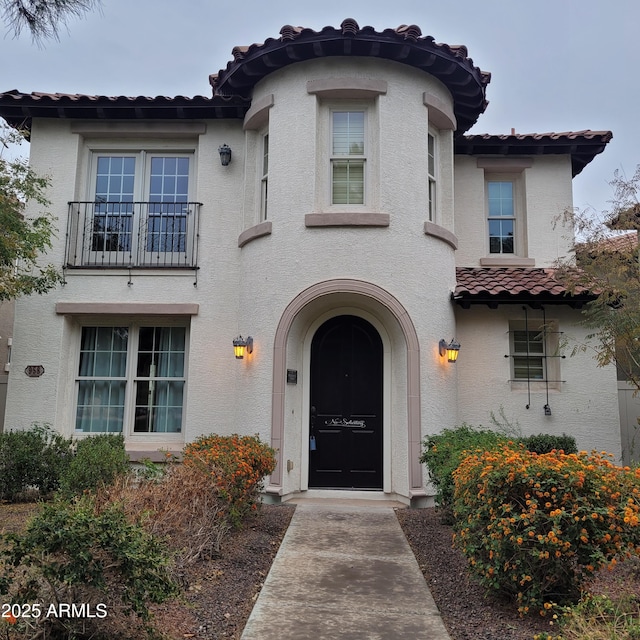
x=240, y=345
x=451, y=350
x=225, y=154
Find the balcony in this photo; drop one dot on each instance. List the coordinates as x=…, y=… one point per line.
x=132, y=234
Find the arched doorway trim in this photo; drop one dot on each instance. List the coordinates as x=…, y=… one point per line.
x=360, y=287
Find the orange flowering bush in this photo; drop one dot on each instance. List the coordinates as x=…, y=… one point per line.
x=238, y=465
x=534, y=527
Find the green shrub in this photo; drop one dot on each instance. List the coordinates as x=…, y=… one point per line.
x=98, y=461
x=238, y=465
x=534, y=527
x=546, y=443
x=443, y=452
x=31, y=462
x=73, y=553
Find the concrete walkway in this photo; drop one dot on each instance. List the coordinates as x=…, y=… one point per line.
x=344, y=570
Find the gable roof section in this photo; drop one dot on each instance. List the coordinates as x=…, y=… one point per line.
x=511, y=285
x=582, y=146
x=449, y=64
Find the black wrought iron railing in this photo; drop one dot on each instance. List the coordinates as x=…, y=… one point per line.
x=132, y=234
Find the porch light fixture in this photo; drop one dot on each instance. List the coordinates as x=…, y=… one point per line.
x=225, y=155
x=450, y=350
x=240, y=345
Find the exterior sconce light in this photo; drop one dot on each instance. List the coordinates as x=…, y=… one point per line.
x=451, y=350
x=225, y=154
x=240, y=345
x=547, y=410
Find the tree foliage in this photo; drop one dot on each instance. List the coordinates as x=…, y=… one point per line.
x=23, y=239
x=605, y=263
x=43, y=18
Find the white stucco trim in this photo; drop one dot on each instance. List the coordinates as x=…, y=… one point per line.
x=507, y=261
x=436, y=231
x=441, y=113
x=139, y=129
x=127, y=308
x=258, y=114
x=384, y=298
x=386, y=390
x=505, y=165
x=252, y=233
x=347, y=219
x=346, y=87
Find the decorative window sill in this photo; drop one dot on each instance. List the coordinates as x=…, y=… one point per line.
x=347, y=219
x=535, y=385
x=436, y=231
x=255, y=232
x=507, y=261
x=155, y=455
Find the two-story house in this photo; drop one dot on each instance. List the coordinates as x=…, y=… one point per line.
x=326, y=202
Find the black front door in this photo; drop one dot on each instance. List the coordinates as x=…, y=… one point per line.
x=345, y=425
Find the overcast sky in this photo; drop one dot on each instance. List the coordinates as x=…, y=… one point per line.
x=556, y=65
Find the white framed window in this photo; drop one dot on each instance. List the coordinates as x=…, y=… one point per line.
x=528, y=352
x=348, y=156
x=141, y=208
x=535, y=348
x=501, y=208
x=131, y=378
x=432, y=167
x=264, y=180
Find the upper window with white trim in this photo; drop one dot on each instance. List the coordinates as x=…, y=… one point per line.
x=505, y=205
x=264, y=180
x=432, y=156
x=140, y=212
x=502, y=219
x=348, y=157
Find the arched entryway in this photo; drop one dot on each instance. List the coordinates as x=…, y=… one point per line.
x=401, y=437
x=346, y=413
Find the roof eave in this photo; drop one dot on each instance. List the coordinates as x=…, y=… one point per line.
x=533, y=301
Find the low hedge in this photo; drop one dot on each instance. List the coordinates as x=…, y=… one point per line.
x=32, y=462
x=98, y=460
x=443, y=452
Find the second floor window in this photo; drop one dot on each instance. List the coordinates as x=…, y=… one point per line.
x=139, y=212
x=501, y=209
x=431, y=170
x=348, y=157
x=165, y=188
x=264, y=180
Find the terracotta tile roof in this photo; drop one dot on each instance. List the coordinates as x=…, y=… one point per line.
x=508, y=285
x=18, y=109
x=582, y=146
x=448, y=63
x=622, y=242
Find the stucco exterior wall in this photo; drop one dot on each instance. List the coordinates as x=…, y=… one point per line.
x=398, y=258
x=246, y=290
x=584, y=405
x=279, y=279
x=545, y=193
